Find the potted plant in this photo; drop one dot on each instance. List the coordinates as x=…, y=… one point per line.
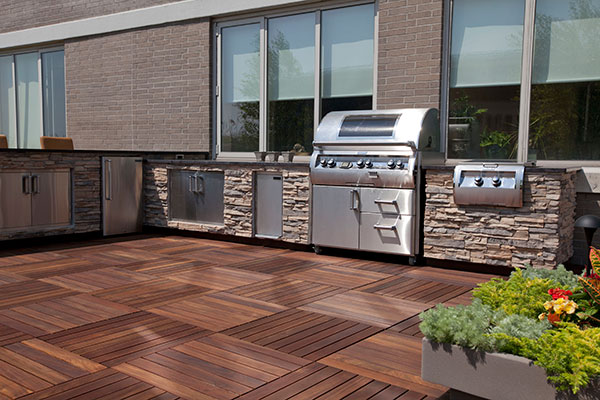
x=533, y=336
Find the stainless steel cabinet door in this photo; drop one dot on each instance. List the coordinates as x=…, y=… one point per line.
x=335, y=219
x=268, y=205
x=196, y=196
x=15, y=199
x=182, y=200
x=51, y=198
x=386, y=233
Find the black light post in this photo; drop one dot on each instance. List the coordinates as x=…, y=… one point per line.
x=589, y=223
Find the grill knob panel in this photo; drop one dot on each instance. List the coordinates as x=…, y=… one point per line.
x=391, y=164
x=496, y=181
x=478, y=181
x=360, y=163
x=368, y=163
x=331, y=163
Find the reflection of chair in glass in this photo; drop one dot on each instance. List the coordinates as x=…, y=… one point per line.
x=56, y=143
x=3, y=142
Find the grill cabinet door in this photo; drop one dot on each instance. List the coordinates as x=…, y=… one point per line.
x=335, y=221
x=208, y=188
x=182, y=198
x=51, y=198
x=386, y=233
x=15, y=199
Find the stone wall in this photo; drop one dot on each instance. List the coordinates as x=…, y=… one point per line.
x=238, y=198
x=539, y=233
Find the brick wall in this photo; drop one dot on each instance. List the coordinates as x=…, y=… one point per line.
x=23, y=14
x=410, y=53
x=540, y=233
x=146, y=89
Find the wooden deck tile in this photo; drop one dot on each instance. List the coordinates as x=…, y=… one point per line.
x=464, y=299
x=10, y=335
x=409, y=327
x=222, y=256
x=303, y=334
x=220, y=278
x=375, y=266
x=119, y=256
x=27, y=292
x=281, y=265
x=455, y=277
x=149, y=294
x=405, y=287
x=367, y=308
x=45, y=269
x=34, y=365
x=125, y=338
x=7, y=277
x=97, y=279
x=217, y=311
x=167, y=266
x=58, y=314
x=214, y=367
x=388, y=357
x=107, y=384
x=317, y=381
x=287, y=292
x=23, y=256
x=339, y=276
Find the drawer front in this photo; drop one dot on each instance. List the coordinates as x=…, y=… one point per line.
x=388, y=201
x=386, y=233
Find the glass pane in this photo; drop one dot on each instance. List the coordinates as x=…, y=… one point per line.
x=53, y=78
x=347, y=58
x=8, y=118
x=564, y=116
x=29, y=105
x=291, y=82
x=240, y=80
x=485, y=76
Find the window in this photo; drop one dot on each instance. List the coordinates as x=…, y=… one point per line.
x=32, y=97
x=278, y=76
x=524, y=88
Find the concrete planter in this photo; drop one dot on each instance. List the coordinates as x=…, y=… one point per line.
x=491, y=375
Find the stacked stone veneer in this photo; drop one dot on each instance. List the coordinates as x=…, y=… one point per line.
x=540, y=233
x=238, y=199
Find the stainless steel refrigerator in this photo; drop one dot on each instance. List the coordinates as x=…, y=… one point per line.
x=122, y=210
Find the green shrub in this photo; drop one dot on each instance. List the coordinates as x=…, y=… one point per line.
x=516, y=326
x=563, y=278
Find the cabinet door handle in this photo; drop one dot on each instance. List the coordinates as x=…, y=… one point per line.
x=387, y=227
x=25, y=188
x=108, y=180
x=193, y=186
x=35, y=184
x=199, y=184
x=354, y=200
x=391, y=202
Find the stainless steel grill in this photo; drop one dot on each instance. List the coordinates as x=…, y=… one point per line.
x=366, y=174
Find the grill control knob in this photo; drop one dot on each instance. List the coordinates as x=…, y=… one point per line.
x=360, y=163
x=400, y=164
x=478, y=181
x=368, y=163
x=323, y=162
x=391, y=164
x=331, y=163
x=496, y=181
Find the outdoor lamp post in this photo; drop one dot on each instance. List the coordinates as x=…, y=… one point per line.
x=589, y=223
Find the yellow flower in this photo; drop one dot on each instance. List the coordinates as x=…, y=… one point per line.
x=548, y=305
x=542, y=316
x=570, y=307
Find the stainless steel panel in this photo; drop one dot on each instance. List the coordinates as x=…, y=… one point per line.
x=386, y=233
x=182, y=199
x=268, y=205
x=15, y=199
x=391, y=201
x=51, y=198
x=489, y=184
x=122, y=195
x=208, y=188
x=335, y=216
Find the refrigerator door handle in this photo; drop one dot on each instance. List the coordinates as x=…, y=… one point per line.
x=108, y=180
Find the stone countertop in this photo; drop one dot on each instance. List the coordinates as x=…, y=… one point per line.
x=560, y=170
x=247, y=164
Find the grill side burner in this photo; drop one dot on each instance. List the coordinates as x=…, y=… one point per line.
x=366, y=174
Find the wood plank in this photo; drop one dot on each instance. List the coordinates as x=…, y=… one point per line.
x=220, y=278
x=336, y=275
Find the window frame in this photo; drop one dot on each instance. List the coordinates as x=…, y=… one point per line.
x=263, y=19
x=525, y=92
x=39, y=51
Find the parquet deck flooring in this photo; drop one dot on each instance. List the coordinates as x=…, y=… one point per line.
x=167, y=317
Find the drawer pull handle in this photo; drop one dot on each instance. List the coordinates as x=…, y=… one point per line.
x=385, y=227
x=391, y=202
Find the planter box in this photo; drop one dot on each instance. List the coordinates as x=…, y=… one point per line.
x=491, y=375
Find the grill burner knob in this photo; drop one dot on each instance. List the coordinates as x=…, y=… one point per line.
x=368, y=163
x=391, y=164
x=478, y=180
x=360, y=163
x=323, y=162
x=400, y=164
x=331, y=163
x=496, y=181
